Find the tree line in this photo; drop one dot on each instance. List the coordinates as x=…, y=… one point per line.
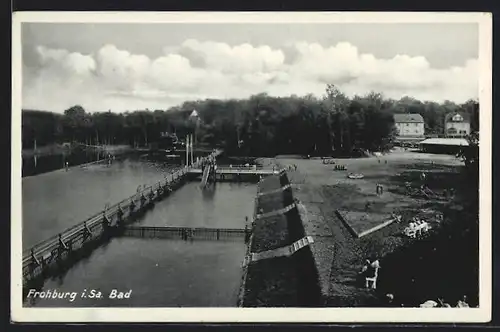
x=261, y=125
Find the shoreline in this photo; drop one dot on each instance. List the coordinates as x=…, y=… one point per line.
x=57, y=149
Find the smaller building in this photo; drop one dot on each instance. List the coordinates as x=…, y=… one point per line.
x=443, y=145
x=410, y=128
x=456, y=124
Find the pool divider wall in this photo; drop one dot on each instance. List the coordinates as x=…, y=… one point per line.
x=247, y=258
x=280, y=289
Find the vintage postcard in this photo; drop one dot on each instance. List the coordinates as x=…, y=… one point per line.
x=251, y=167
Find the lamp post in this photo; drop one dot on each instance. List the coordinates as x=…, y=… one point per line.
x=192, y=159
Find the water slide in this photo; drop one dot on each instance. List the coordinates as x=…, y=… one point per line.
x=206, y=173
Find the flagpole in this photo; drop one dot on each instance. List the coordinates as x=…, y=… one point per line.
x=187, y=150
x=192, y=158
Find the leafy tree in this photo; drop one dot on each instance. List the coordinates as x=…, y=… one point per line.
x=261, y=125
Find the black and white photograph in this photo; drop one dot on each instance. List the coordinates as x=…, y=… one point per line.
x=312, y=167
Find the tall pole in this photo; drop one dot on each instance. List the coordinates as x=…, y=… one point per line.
x=192, y=159
x=187, y=150
x=196, y=130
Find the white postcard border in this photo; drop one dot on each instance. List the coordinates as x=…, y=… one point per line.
x=208, y=315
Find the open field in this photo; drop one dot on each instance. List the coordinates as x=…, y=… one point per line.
x=323, y=191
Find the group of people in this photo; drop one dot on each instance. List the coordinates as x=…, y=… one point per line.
x=340, y=168
x=462, y=303
x=288, y=168
x=416, y=228
x=389, y=301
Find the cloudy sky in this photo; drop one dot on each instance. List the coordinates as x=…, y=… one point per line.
x=137, y=66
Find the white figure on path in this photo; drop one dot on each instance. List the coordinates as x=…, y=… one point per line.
x=372, y=274
x=463, y=303
x=429, y=304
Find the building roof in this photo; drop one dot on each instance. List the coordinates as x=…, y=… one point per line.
x=446, y=141
x=405, y=118
x=449, y=117
x=194, y=114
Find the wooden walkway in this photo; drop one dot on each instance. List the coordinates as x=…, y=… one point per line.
x=276, y=212
x=239, y=170
x=187, y=233
x=286, y=251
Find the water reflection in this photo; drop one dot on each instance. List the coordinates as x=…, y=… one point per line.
x=57, y=200
x=168, y=273
x=208, y=193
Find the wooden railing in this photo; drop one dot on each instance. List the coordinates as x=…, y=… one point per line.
x=241, y=170
x=75, y=237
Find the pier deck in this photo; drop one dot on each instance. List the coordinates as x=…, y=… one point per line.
x=238, y=170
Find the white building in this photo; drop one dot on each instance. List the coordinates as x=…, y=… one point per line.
x=194, y=114
x=456, y=124
x=409, y=125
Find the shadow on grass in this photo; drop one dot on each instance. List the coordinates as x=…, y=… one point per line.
x=444, y=264
x=443, y=181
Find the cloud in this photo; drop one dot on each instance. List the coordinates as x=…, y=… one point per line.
x=112, y=78
x=238, y=59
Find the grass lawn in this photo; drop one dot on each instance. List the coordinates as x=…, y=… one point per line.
x=272, y=283
x=270, y=232
x=270, y=202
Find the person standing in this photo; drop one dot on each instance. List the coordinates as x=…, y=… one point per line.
x=463, y=303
